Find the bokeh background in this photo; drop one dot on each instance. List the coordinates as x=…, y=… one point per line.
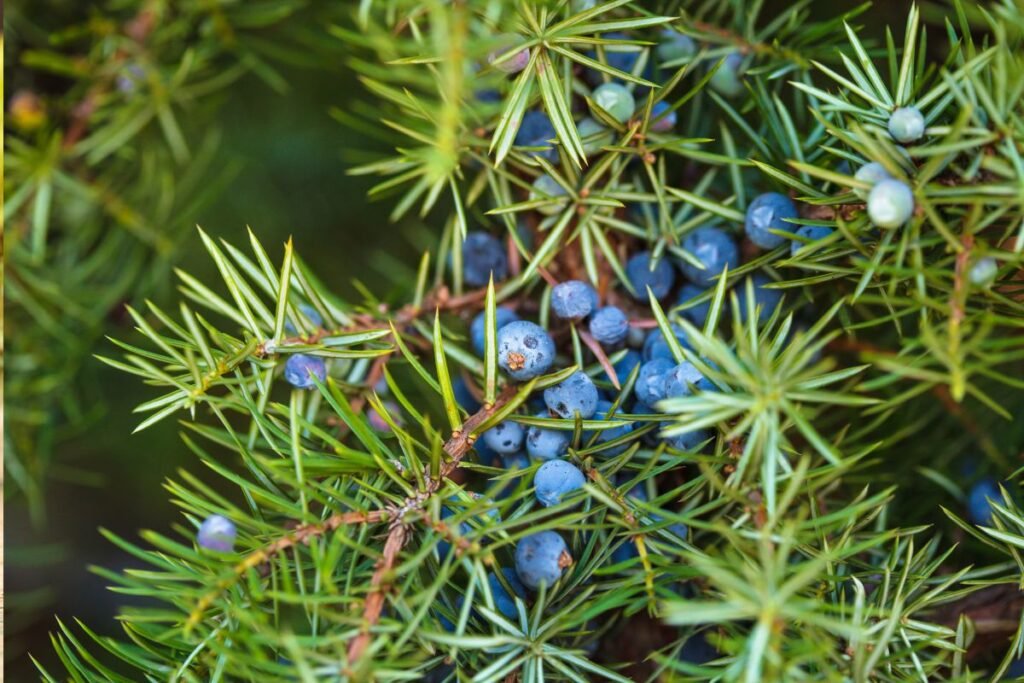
x=292, y=182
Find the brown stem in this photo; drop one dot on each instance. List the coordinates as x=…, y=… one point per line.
x=380, y=584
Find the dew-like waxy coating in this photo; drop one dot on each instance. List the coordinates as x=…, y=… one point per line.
x=715, y=249
x=650, y=383
x=573, y=299
x=477, y=330
x=301, y=368
x=217, y=533
x=541, y=558
x=656, y=346
x=609, y=326
x=577, y=395
x=525, y=350
x=616, y=100
x=728, y=79
x=556, y=479
x=770, y=211
x=604, y=412
x=482, y=255
x=674, y=46
x=983, y=272
x=660, y=280
x=871, y=173
x=505, y=438
x=683, y=379
x=890, y=203
x=547, y=188
x=544, y=444
x=906, y=124
x=594, y=135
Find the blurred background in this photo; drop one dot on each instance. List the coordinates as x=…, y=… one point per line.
x=290, y=157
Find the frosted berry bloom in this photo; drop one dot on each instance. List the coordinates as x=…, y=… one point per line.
x=594, y=135
x=505, y=438
x=544, y=444
x=483, y=254
x=765, y=300
x=609, y=326
x=683, y=379
x=674, y=46
x=556, y=479
x=536, y=131
x=576, y=395
x=477, y=329
x=906, y=124
x=655, y=345
x=809, y=234
x=501, y=60
x=698, y=313
x=616, y=100
x=301, y=368
x=525, y=350
x=662, y=120
x=872, y=173
x=770, y=211
x=311, y=314
x=217, y=533
x=547, y=188
x=573, y=299
x=660, y=279
x=983, y=272
x=650, y=384
x=728, y=79
x=541, y=558
x=604, y=412
x=890, y=203
x=714, y=248
x=625, y=365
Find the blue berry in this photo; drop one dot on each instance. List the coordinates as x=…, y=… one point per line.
x=890, y=203
x=655, y=346
x=765, y=300
x=687, y=441
x=872, y=173
x=674, y=46
x=650, y=383
x=609, y=326
x=482, y=255
x=810, y=234
x=660, y=280
x=621, y=57
x=540, y=559
x=604, y=412
x=573, y=299
x=715, y=249
x=697, y=650
x=625, y=365
x=545, y=444
x=509, y=64
x=683, y=379
x=616, y=100
x=594, y=135
x=983, y=272
x=770, y=211
x=217, y=533
x=525, y=350
x=697, y=314
x=556, y=479
x=978, y=507
x=463, y=396
x=505, y=603
x=547, y=188
x=311, y=314
x=300, y=369
x=667, y=122
x=906, y=124
x=491, y=516
x=728, y=79
x=536, y=131
x=505, y=438
x=128, y=81
x=516, y=461
x=477, y=330
x=575, y=395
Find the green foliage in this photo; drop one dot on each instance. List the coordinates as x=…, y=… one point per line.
x=837, y=422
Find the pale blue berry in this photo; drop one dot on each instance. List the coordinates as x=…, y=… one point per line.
x=594, y=135
x=890, y=203
x=641, y=276
x=616, y=100
x=556, y=479
x=683, y=379
x=715, y=249
x=609, y=326
x=674, y=46
x=770, y=211
x=541, y=558
x=604, y=412
x=573, y=299
x=728, y=79
x=547, y=188
x=650, y=382
x=536, y=131
x=662, y=120
x=501, y=60
x=516, y=461
x=217, y=533
x=483, y=254
x=505, y=438
x=312, y=315
x=577, y=395
x=808, y=234
x=525, y=350
x=906, y=124
x=656, y=346
x=983, y=272
x=871, y=173
x=301, y=368
x=477, y=329
x=544, y=444
x=624, y=366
